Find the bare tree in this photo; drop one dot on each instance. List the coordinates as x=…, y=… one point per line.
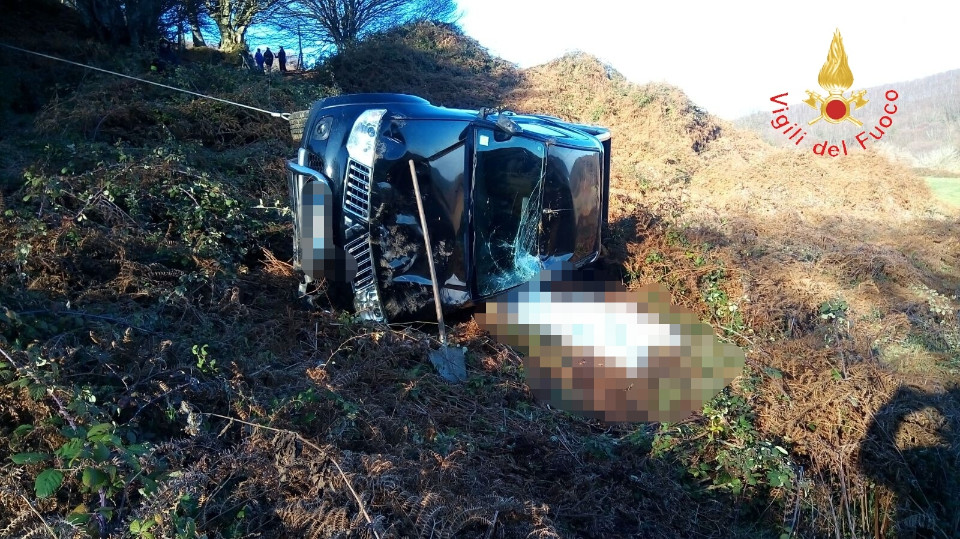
x=342, y=23
x=435, y=10
x=186, y=15
x=194, y=8
x=234, y=17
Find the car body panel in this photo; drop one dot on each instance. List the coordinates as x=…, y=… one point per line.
x=503, y=194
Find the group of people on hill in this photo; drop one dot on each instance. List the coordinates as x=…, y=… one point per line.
x=265, y=60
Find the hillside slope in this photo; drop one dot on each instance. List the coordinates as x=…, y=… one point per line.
x=849, y=271
x=662, y=138
x=159, y=376
x=434, y=61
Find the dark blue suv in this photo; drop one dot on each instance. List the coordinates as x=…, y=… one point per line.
x=503, y=194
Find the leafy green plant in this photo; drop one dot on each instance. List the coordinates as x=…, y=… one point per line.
x=834, y=310
x=654, y=257
x=141, y=528
x=206, y=364
x=726, y=314
x=727, y=451
x=89, y=452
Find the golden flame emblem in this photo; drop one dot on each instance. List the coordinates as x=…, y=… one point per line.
x=836, y=78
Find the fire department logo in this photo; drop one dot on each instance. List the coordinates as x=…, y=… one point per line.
x=836, y=78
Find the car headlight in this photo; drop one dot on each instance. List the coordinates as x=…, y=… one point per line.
x=362, y=143
x=322, y=131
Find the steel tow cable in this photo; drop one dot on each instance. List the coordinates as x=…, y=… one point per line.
x=283, y=115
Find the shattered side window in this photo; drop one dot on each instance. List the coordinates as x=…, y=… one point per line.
x=508, y=202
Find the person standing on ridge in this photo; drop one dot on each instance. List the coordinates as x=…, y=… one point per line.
x=259, y=58
x=268, y=59
x=282, y=59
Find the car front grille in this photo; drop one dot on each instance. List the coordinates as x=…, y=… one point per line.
x=360, y=250
x=356, y=191
x=315, y=162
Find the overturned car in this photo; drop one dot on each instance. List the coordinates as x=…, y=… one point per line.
x=503, y=195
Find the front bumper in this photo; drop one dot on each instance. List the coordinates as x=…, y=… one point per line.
x=315, y=250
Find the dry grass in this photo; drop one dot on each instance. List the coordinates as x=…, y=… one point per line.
x=825, y=272
x=800, y=234
x=425, y=59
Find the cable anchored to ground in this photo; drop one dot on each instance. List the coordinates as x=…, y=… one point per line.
x=284, y=115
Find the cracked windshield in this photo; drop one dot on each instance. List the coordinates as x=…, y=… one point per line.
x=509, y=198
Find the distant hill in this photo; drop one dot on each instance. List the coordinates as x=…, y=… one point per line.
x=925, y=131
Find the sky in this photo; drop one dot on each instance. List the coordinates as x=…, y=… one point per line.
x=729, y=57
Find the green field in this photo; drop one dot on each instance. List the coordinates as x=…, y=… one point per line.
x=946, y=189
